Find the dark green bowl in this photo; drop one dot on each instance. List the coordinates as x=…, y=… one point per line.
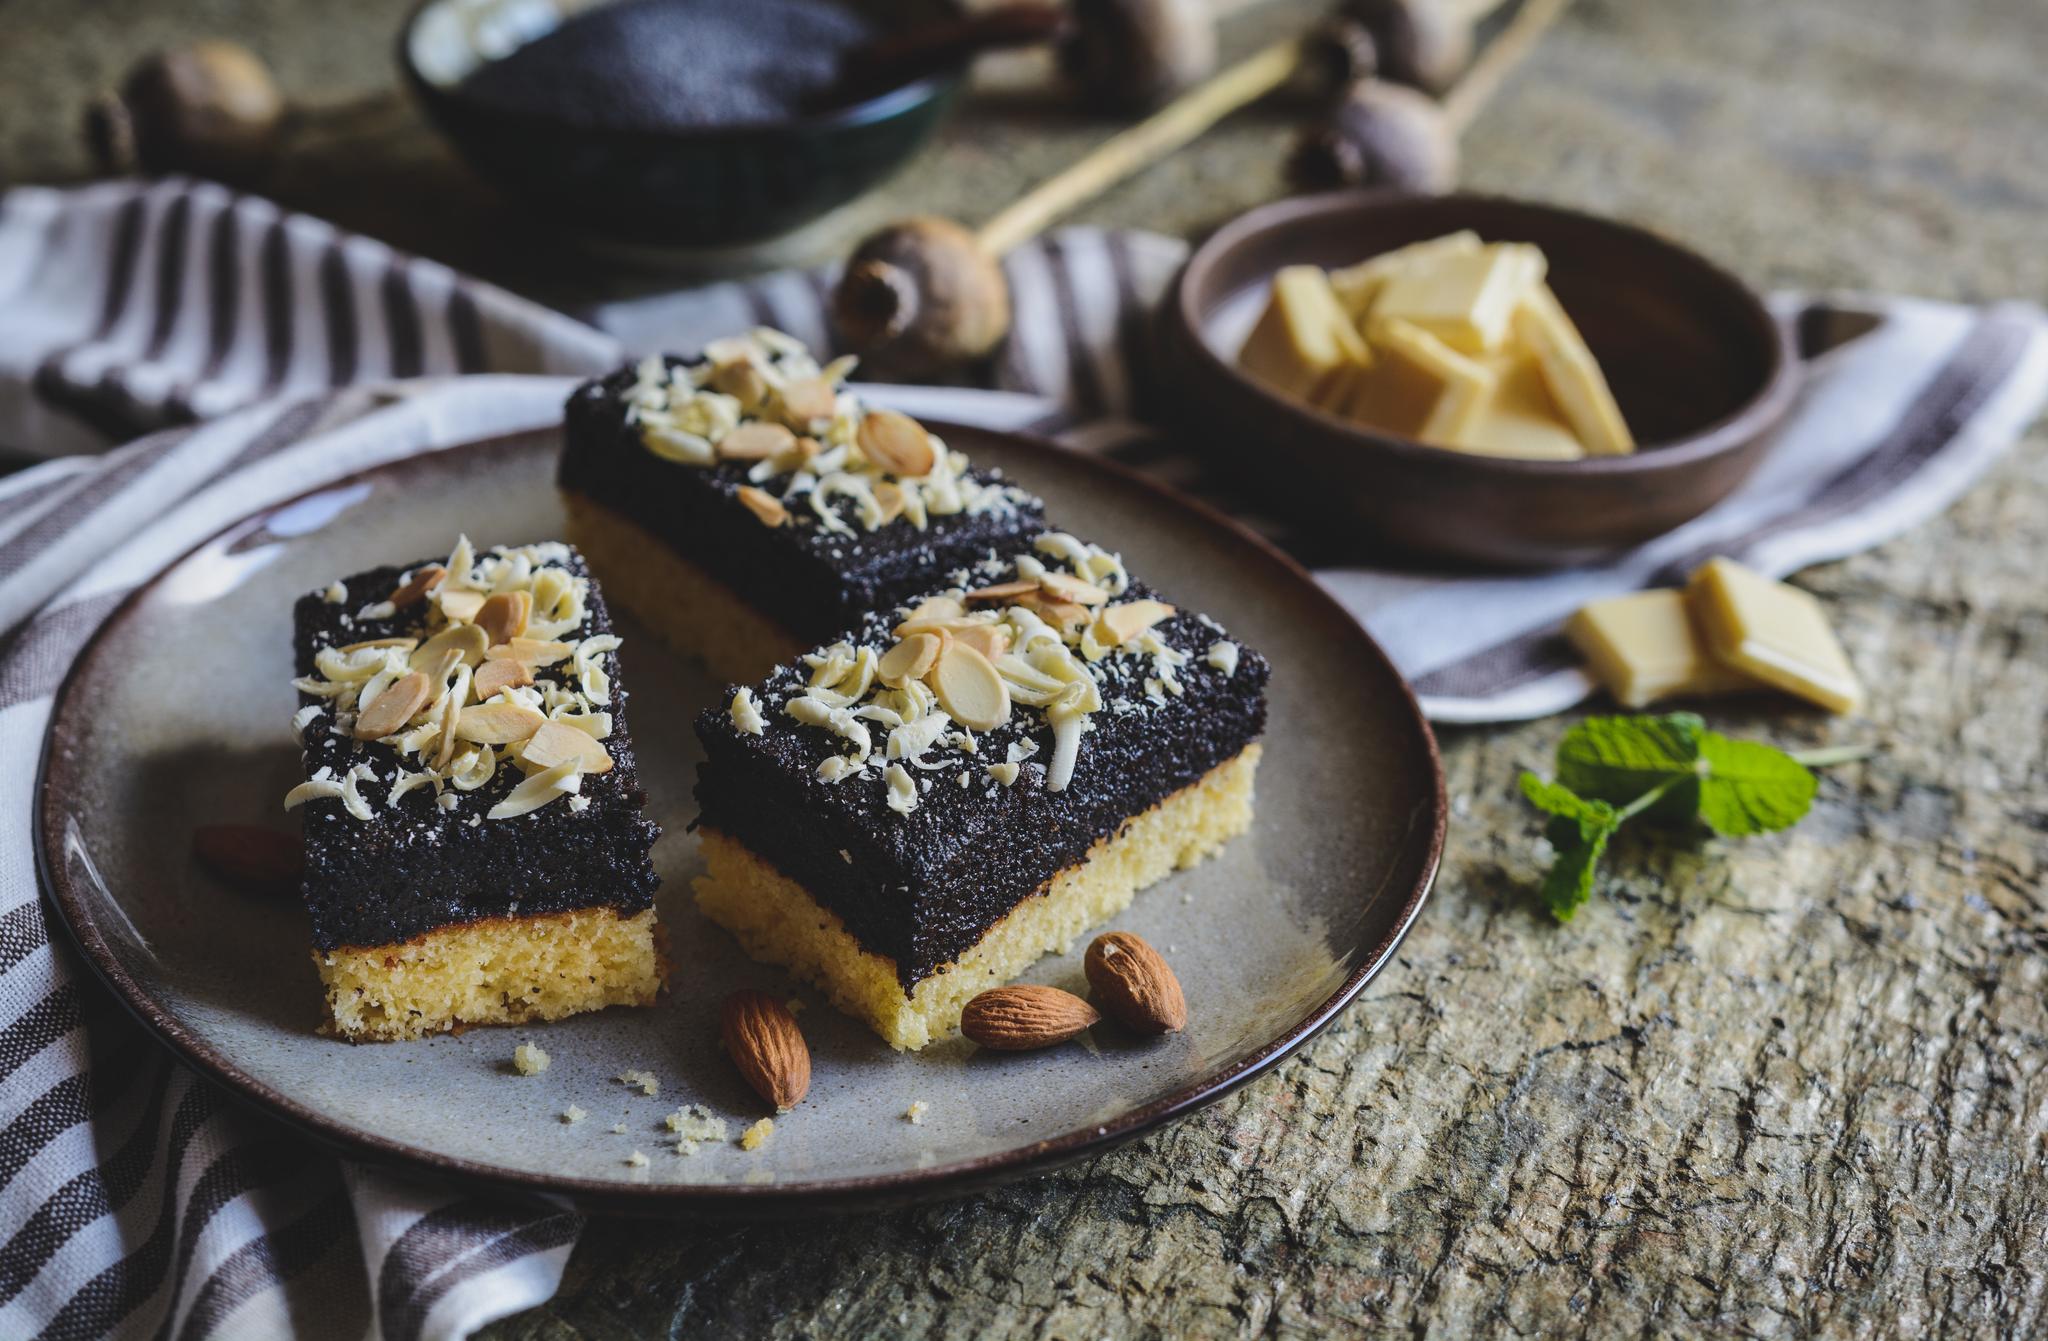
x=699, y=187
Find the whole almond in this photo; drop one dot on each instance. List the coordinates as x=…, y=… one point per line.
x=807, y=400
x=1023, y=1016
x=767, y=1047
x=1134, y=984
x=253, y=860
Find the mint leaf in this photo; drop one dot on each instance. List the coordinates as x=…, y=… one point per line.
x=1618, y=759
x=1670, y=768
x=1578, y=830
x=1552, y=798
x=1579, y=843
x=1752, y=788
x=1569, y=881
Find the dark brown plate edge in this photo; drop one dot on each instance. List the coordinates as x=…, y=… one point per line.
x=1763, y=410
x=749, y=1201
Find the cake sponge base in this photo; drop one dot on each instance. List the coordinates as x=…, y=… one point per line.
x=691, y=611
x=503, y=970
x=778, y=922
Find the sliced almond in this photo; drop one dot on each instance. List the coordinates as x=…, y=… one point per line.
x=377, y=642
x=1119, y=624
x=969, y=689
x=929, y=613
x=807, y=400
x=556, y=743
x=393, y=708
x=529, y=652
x=462, y=606
x=1065, y=617
x=467, y=641
x=910, y=659
x=415, y=588
x=889, y=497
x=1002, y=591
x=897, y=443
x=498, y=723
x=799, y=454
x=499, y=674
x=991, y=640
x=756, y=441
x=741, y=380
x=1062, y=587
x=503, y=616
x=764, y=505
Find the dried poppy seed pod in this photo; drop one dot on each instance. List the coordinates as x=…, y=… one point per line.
x=209, y=108
x=1422, y=43
x=921, y=297
x=1133, y=55
x=1381, y=135
x=1335, y=54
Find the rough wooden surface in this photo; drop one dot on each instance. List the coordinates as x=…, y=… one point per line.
x=1792, y=1086
x=1787, y=1087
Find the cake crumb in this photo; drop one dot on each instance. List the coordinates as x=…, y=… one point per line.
x=618, y=1129
x=529, y=1059
x=694, y=1127
x=796, y=1005
x=644, y=1081
x=915, y=1113
x=756, y=1136
x=573, y=1115
x=636, y=1160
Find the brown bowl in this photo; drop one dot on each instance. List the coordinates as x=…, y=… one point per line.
x=1701, y=369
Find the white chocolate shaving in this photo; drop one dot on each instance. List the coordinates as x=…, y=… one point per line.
x=746, y=716
x=543, y=787
x=902, y=791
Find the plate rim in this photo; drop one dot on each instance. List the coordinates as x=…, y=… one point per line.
x=719, y=1200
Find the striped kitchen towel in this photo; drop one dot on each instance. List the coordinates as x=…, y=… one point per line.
x=258, y=354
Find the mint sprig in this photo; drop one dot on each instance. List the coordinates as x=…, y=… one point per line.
x=1671, y=771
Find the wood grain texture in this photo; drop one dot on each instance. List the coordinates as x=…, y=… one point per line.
x=1792, y=1086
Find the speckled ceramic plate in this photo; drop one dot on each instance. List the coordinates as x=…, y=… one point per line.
x=176, y=716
